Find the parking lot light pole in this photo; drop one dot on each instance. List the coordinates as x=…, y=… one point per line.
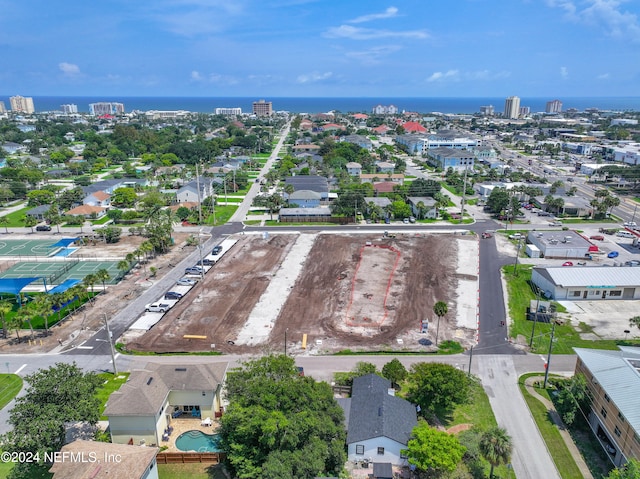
x=110, y=341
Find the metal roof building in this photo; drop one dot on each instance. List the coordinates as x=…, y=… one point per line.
x=560, y=244
x=613, y=379
x=588, y=283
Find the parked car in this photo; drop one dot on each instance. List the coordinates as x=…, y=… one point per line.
x=516, y=236
x=625, y=234
x=412, y=219
x=544, y=213
x=406, y=221
x=216, y=250
x=613, y=254
x=486, y=235
x=633, y=262
x=597, y=237
x=197, y=270
x=630, y=224
x=43, y=228
x=172, y=295
x=567, y=263
x=157, y=307
x=205, y=262
x=186, y=282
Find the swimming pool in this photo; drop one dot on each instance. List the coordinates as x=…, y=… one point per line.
x=198, y=441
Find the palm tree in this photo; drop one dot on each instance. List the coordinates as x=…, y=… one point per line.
x=4, y=221
x=635, y=321
x=103, y=275
x=76, y=291
x=5, y=307
x=25, y=314
x=30, y=222
x=41, y=306
x=15, y=323
x=440, y=309
x=495, y=447
x=89, y=281
x=124, y=266
x=57, y=300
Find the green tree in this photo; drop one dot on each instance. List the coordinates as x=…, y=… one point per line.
x=103, y=276
x=115, y=214
x=40, y=197
x=423, y=187
x=432, y=451
x=183, y=213
x=631, y=470
x=5, y=308
x=111, y=234
x=53, y=396
x=498, y=200
x=437, y=387
x=123, y=266
x=124, y=197
x=29, y=222
x=440, y=309
x=635, y=321
x=495, y=447
x=362, y=368
x=41, y=306
x=89, y=281
x=279, y=424
x=53, y=217
x=573, y=397
x=4, y=221
x=394, y=371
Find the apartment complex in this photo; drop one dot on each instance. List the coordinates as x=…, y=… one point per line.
x=512, y=107
x=228, y=111
x=3, y=109
x=22, y=104
x=385, y=110
x=553, y=106
x=262, y=108
x=613, y=380
x=70, y=108
x=487, y=110
x=106, y=108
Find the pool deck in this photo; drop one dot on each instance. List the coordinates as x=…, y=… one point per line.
x=184, y=424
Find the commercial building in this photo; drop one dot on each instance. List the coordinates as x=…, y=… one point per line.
x=106, y=108
x=22, y=104
x=458, y=160
x=487, y=110
x=588, y=283
x=228, y=111
x=613, y=381
x=512, y=107
x=262, y=108
x=553, y=106
x=560, y=244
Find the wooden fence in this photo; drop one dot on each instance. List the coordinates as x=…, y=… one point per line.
x=190, y=457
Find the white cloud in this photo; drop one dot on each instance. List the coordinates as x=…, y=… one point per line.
x=373, y=56
x=314, y=77
x=564, y=73
x=355, y=33
x=69, y=69
x=195, y=76
x=606, y=14
x=450, y=75
x=388, y=13
x=604, y=76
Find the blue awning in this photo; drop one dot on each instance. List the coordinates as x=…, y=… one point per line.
x=65, y=285
x=15, y=285
x=64, y=242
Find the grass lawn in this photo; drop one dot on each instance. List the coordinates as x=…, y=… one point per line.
x=10, y=386
x=193, y=471
x=550, y=433
x=229, y=200
x=223, y=214
x=101, y=221
x=566, y=335
x=15, y=218
x=109, y=385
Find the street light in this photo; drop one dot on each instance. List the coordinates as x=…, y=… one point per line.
x=200, y=251
x=110, y=341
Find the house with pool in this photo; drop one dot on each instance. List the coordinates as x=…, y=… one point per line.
x=143, y=411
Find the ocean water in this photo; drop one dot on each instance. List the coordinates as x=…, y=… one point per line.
x=325, y=104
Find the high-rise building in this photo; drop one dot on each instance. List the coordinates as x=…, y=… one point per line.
x=70, y=108
x=554, y=106
x=512, y=107
x=106, y=108
x=525, y=111
x=262, y=108
x=22, y=104
x=487, y=110
x=228, y=111
x=3, y=109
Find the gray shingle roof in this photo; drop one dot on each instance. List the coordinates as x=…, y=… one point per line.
x=373, y=412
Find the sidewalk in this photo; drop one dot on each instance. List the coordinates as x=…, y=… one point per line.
x=557, y=420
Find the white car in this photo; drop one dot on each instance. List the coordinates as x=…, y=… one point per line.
x=630, y=224
x=186, y=282
x=625, y=234
x=157, y=307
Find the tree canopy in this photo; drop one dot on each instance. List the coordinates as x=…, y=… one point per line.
x=280, y=425
x=631, y=470
x=437, y=387
x=433, y=451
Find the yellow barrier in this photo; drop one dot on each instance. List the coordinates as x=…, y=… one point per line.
x=304, y=341
x=193, y=336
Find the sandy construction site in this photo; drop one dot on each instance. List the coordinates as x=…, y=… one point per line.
x=343, y=291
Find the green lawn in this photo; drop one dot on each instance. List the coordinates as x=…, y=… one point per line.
x=223, y=214
x=555, y=444
x=101, y=221
x=10, y=386
x=193, y=471
x=15, y=218
x=109, y=385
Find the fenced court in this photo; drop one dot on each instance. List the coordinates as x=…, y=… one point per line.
x=59, y=271
x=44, y=248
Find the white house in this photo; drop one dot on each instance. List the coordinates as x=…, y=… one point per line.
x=142, y=411
x=353, y=168
x=379, y=424
x=189, y=192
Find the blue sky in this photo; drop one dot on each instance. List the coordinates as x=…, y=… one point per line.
x=425, y=48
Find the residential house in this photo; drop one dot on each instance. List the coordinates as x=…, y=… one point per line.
x=485, y=154
x=381, y=130
x=300, y=215
x=11, y=148
x=319, y=184
x=613, y=381
x=304, y=199
x=397, y=178
x=383, y=187
x=379, y=424
x=412, y=143
x=109, y=186
x=98, y=198
x=83, y=459
x=39, y=212
x=331, y=127
x=423, y=207
x=87, y=211
x=306, y=124
x=385, y=167
x=143, y=409
x=446, y=158
x=189, y=191
x=308, y=148
x=360, y=140
x=353, y=168
x=413, y=127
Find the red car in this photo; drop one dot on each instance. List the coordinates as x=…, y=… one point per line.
x=597, y=237
x=567, y=263
x=486, y=235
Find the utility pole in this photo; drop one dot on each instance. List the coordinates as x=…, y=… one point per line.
x=355, y=212
x=470, y=357
x=535, y=317
x=515, y=265
x=285, y=341
x=546, y=370
x=110, y=340
x=464, y=191
x=199, y=195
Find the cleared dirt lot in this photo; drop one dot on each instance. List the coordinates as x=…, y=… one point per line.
x=348, y=294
